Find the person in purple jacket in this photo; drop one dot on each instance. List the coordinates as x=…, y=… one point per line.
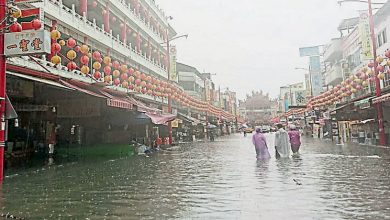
x=258, y=139
x=295, y=139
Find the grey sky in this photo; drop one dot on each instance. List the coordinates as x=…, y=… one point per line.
x=253, y=44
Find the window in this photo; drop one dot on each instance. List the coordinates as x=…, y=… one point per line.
x=382, y=38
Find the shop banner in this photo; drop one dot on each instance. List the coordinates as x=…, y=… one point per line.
x=27, y=43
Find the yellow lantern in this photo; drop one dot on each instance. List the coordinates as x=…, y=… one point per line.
x=107, y=79
x=56, y=59
x=353, y=90
x=125, y=84
x=62, y=42
x=16, y=12
x=84, y=69
x=116, y=73
x=89, y=54
x=107, y=60
x=84, y=49
x=55, y=35
x=379, y=59
x=381, y=76
x=364, y=69
x=124, y=68
x=388, y=62
x=71, y=54
x=369, y=72
x=365, y=83
x=358, y=80
x=96, y=65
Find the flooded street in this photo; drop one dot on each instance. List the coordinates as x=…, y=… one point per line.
x=217, y=180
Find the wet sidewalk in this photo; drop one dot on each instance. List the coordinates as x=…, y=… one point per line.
x=211, y=180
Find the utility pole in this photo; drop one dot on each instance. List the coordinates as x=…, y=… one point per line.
x=382, y=139
x=3, y=4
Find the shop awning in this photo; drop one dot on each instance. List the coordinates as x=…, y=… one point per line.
x=37, y=79
x=86, y=91
x=119, y=102
x=382, y=98
x=190, y=119
x=141, y=107
x=160, y=119
x=340, y=107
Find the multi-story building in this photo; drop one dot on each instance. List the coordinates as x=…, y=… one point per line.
x=291, y=95
x=191, y=80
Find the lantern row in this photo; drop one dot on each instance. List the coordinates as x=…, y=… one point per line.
x=119, y=74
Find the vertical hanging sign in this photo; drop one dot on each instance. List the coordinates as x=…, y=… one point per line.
x=173, y=71
x=364, y=32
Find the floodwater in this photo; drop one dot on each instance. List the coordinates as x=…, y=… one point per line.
x=217, y=180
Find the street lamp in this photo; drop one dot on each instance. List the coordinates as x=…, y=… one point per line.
x=169, y=79
x=382, y=140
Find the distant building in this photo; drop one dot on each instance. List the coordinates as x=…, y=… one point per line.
x=291, y=95
x=191, y=80
x=258, y=108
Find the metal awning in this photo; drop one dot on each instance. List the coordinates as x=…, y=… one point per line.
x=41, y=80
x=382, y=98
x=68, y=84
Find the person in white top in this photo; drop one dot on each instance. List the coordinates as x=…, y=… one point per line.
x=282, y=146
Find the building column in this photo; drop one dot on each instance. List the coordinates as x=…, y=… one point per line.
x=52, y=28
x=106, y=19
x=83, y=7
x=124, y=32
x=138, y=42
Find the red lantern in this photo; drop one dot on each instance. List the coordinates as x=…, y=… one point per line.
x=387, y=54
x=107, y=70
x=124, y=76
x=84, y=60
x=131, y=86
x=55, y=48
x=143, y=90
x=15, y=27
x=97, y=75
x=380, y=68
x=71, y=43
x=36, y=24
x=77, y=48
x=138, y=82
x=117, y=81
x=131, y=71
x=149, y=86
x=96, y=55
x=116, y=64
x=71, y=65
x=371, y=65
x=143, y=76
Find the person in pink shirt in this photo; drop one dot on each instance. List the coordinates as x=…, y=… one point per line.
x=295, y=139
x=258, y=139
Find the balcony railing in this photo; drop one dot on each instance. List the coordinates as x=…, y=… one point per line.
x=78, y=23
x=125, y=9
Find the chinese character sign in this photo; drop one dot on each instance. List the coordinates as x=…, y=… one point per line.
x=364, y=32
x=173, y=70
x=27, y=43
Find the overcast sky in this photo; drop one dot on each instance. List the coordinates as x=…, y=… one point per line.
x=253, y=44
